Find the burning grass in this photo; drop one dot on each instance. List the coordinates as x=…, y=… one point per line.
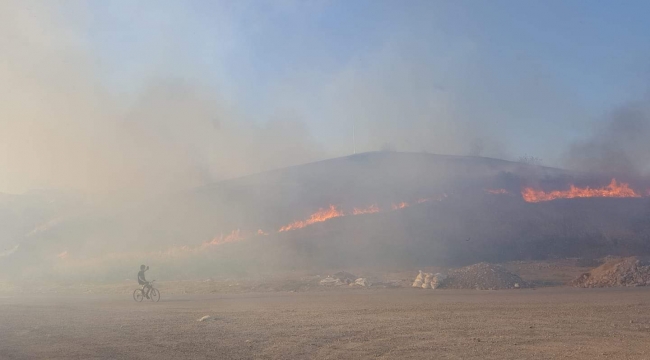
x=319, y=216
x=614, y=189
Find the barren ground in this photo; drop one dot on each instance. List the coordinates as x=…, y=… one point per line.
x=551, y=323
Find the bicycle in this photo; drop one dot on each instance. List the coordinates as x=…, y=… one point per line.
x=154, y=294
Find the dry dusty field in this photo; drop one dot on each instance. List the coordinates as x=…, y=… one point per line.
x=551, y=323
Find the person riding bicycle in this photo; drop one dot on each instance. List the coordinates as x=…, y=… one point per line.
x=143, y=281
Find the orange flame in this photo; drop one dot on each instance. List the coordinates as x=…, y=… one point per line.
x=614, y=189
x=234, y=235
x=369, y=210
x=401, y=205
x=498, y=191
x=319, y=216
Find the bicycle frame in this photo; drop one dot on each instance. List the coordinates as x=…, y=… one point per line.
x=145, y=291
x=149, y=285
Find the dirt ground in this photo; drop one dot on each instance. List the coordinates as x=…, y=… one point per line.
x=550, y=323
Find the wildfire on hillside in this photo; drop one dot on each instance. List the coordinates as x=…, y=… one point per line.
x=614, y=189
x=369, y=210
x=234, y=235
x=319, y=216
x=401, y=205
x=334, y=212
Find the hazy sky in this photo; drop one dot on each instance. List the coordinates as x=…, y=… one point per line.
x=185, y=92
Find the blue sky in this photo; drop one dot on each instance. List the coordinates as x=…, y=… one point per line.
x=540, y=71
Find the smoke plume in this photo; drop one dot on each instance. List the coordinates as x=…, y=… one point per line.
x=619, y=144
x=61, y=128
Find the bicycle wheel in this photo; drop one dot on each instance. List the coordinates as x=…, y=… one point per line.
x=138, y=295
x=154, y=295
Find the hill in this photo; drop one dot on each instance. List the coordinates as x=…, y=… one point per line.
x=381, y=209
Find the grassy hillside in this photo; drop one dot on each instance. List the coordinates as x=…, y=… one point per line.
x=459, y=223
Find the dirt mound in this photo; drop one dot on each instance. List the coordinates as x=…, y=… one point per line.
x=483, y=276
x=630, y=271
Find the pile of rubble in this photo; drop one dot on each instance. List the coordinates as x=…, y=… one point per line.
x=345, y=278
x=483, y=276
x=630, y=271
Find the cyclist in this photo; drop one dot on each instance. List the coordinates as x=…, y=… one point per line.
x=143, y=281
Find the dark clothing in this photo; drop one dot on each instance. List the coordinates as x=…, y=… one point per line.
x=141, y=279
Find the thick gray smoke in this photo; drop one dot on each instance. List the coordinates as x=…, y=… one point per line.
x=618, y=146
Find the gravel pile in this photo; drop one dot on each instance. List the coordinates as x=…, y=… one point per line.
x=483, y=276
x=630, y=271
x=345, y=277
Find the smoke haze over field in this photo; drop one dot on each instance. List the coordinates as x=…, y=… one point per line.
x=61, y=128
x=184, y=119
x=106, y=97
x=234, y=148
